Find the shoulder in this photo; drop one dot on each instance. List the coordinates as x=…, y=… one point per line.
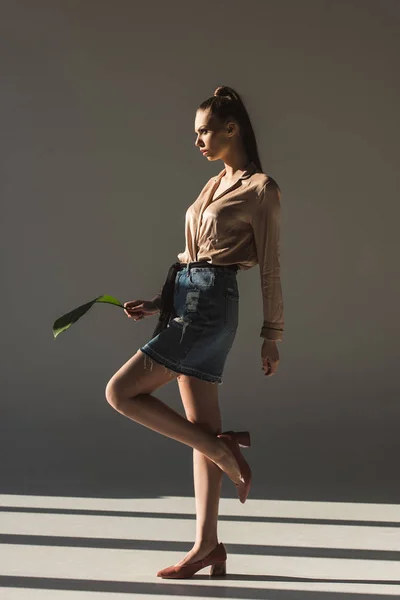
x=264, y=184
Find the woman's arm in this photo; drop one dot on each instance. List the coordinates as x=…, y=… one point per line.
x=266, y=227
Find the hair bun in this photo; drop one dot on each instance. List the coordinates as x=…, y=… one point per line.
x=222, y=90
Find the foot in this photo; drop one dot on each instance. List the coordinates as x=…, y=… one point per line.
x=228, y=463
x=198, y=552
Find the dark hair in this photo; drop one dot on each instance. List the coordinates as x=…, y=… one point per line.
x=227, y=104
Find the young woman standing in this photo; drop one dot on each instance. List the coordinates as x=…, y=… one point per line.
x=233, y=225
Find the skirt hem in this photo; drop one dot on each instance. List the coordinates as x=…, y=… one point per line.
x=180, y=369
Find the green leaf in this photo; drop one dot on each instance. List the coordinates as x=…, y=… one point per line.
x=64, y=322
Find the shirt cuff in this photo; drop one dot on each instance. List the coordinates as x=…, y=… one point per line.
x=274, y=335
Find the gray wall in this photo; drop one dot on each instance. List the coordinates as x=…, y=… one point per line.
x=98, y=166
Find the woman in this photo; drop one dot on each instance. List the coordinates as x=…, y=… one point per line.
x=233, y=224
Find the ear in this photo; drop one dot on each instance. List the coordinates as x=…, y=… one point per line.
x=232, y=127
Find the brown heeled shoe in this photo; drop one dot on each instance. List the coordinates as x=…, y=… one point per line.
x=216, y=559
x=234, y=439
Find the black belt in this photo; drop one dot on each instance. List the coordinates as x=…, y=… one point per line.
x=167, y=293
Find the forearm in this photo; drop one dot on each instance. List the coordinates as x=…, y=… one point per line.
x=273, y=322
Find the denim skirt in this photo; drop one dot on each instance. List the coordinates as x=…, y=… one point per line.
x=205, y=319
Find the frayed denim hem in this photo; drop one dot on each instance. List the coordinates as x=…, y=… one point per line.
x=152, y=355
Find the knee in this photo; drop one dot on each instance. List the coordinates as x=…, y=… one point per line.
x=113, y=395
x=117, y=397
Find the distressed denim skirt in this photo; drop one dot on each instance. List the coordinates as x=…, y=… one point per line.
x=203, y=323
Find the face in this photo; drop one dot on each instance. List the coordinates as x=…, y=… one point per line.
x=215, y=139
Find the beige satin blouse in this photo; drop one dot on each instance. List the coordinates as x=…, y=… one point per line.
x=241, y=225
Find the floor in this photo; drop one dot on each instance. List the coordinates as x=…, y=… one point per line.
x=67, y=548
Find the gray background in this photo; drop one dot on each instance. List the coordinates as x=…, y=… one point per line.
x=98, y=167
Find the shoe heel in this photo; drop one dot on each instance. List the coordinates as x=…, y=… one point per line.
x=243, y=438
x=218, y=569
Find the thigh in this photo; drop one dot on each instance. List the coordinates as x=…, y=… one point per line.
x=140, y=375
x=200, y=402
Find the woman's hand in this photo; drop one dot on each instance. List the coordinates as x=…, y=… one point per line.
x=138, y=309
x=269, y=357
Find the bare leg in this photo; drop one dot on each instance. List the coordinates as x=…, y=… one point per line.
x=128, y=392
x=200, y=400
x=148, y=410
x=207, y=478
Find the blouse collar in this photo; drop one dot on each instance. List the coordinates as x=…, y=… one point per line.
x=250, y=169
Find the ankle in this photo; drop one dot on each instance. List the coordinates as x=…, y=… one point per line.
x=206, y=543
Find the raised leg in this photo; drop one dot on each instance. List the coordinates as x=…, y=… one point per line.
x=129, y=392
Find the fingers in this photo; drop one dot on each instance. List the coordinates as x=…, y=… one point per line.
x=270, y=367
x=134, y=315
x=133, y=309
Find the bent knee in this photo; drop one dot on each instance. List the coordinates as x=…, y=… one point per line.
x=114, y=395
x=117, y=396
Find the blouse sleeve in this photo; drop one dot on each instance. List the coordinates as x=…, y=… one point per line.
x=266, y=228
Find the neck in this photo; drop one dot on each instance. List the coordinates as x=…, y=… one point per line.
x=235, y=167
